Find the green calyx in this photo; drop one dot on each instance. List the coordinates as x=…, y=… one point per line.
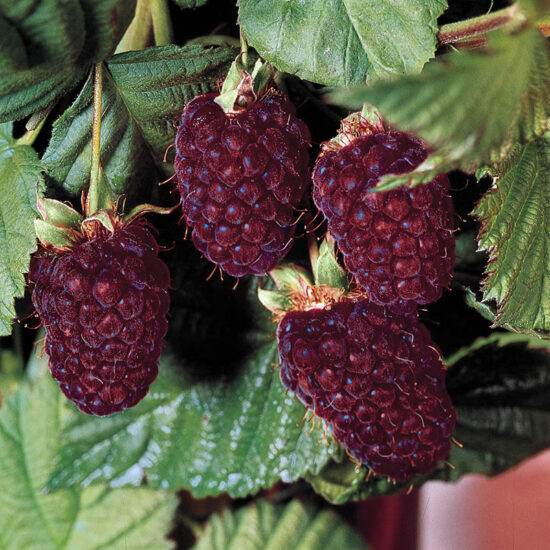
x=59, y=225
x=296, y=289
x=244, y=84
x=368, y=121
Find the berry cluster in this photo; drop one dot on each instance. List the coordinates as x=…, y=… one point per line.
x=365, y=365
x=368, y=367
x=104, y=304
x=376, y=377
x=241, y=177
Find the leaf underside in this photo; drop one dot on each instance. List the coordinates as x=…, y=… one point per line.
x=144, y=93
x=469, y=107
x=515, y=231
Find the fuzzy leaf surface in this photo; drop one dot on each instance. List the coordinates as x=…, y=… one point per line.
x=515, y=231
x=499, y=386
x=49, y=45
x=467, y=126
x=20, y=171
x=235, y=432
x=342, y=42
x=74, y=519
x=266, y=526
x=144, y=93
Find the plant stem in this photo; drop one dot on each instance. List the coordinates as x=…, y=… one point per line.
x=93, y=191
x=162, y=25
x=244, y=48
x=478, y=26
x=137, y=34
x=30, y=135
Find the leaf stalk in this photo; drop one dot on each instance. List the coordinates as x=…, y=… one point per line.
x=472, y=31
x=92, y=202
x=162, y=25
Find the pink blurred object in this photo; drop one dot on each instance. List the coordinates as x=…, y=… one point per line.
x=507, y=512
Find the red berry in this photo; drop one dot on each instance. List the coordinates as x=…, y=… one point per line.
x=240, y=178
x=103, y=304
x=376, y=377
x=398, y=244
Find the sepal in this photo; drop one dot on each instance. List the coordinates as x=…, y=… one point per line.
x=328, y=271
x=289, y=280
x=242, y=86
x=54, y=236
x=58, y=213
x=141, y=209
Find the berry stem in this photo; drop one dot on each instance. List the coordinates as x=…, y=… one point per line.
x=92, y=202
x=137, y=34
x=31, y=134
x=478, y=27
x=162, y=25
x=244, y=48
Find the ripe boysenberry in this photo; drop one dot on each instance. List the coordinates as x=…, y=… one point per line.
x=399, y=244
x=240, y=177
x=103, y=303
x=376, y=377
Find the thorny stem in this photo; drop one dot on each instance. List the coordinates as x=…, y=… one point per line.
x=471, y=32
x=162, y=25
x=93, y=191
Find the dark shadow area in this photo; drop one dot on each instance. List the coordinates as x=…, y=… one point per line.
x=510, y=376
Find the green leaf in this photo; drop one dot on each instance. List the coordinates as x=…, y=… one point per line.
x=51, y=44
x=515, y=218
x=499, y=386
x=237, y=432
x=342, y=42
x=266, y=526
x=470, y=107
x=144, y=93
x=74, y=519
x=106, y=22
x=20, y=172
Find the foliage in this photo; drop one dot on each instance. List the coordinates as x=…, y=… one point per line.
x=265, y=526
x=20, y=174
x=76, y=519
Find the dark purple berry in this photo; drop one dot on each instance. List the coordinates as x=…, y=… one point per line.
x=376, y=377
x=240, y=178
x=399, y=244
x=104, y=305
